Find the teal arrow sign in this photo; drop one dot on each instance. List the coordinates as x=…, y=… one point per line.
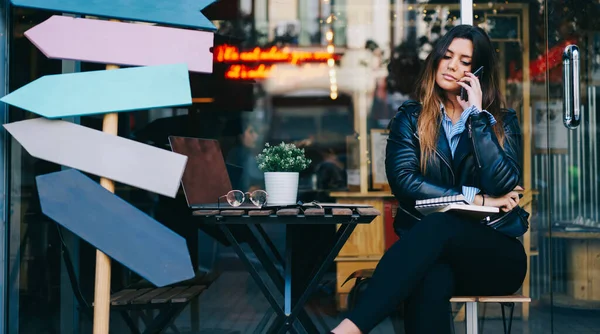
x=183, y=13
x=99, y=92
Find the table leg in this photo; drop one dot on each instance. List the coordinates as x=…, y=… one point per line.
x=268, y=256
x=267, y=259
x=269, y=243
x=269, y=267
x=341, y=237
x=265, y=255
x=252, y=270
x=287, y=297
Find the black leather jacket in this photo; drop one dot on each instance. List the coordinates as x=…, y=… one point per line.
x=479, y=161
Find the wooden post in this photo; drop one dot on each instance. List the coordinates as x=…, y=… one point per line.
x=527, y=170
x=103, y=268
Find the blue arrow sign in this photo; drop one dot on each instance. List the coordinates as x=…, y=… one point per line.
x=115, y=227
x=182, y=13
x=99, y=92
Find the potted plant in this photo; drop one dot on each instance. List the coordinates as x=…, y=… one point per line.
x=281, y=165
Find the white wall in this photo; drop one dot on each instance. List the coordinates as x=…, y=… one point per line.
x=368, y=19
x=362, y=19
x=279, y=11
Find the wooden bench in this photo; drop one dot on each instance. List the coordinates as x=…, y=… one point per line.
x=169, y=301
x=143, y=298
x=471, y=303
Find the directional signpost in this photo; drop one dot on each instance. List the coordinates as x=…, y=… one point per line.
x=114, y=226
x=177, y=13
x=108, y=92
x=100, y=92
x=116, y=158
x=110, y=125
x=62, y=37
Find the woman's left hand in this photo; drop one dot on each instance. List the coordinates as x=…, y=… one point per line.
x=471, y=84
x=505, y=203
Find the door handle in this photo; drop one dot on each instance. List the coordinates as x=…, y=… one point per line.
x=572, y=94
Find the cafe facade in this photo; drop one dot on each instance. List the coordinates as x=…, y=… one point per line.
x=326, y=75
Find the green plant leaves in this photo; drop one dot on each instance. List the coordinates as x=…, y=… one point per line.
x=282, y=158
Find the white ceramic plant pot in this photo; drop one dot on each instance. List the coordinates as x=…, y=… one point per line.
x=282, y=187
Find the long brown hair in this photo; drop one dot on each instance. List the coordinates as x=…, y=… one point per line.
x=431, y=95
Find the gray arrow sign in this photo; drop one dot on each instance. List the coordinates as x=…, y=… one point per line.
x=102, y=154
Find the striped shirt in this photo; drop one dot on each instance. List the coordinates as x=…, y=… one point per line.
x=453, y=132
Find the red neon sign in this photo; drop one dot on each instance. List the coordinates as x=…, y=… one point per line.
x=257, y=63
x=242, y=72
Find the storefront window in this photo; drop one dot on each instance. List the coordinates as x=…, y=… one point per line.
x=326, y=75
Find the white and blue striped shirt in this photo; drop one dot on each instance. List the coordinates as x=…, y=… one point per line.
x=453, y=132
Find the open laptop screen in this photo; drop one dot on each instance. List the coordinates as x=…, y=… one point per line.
x=205, y=177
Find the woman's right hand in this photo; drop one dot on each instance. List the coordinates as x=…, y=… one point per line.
x=505, y=203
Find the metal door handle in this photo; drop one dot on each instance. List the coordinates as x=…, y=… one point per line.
x=572, y=94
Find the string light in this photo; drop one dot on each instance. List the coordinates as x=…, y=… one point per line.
x=329, y=35
x=333, y=88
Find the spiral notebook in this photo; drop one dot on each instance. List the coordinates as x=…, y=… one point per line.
x=456, y=203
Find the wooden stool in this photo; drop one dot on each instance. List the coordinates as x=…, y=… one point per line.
x=471, y=315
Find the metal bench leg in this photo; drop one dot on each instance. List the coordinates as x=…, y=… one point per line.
x=129, y=322
x=451, y=318
x=511, y=306
x=471, y=318
x=482, y=321
x=164, y=318
x=396, y=323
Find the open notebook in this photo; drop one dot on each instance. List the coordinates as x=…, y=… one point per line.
x=456, y=203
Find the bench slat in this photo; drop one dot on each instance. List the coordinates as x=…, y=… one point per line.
x=491, y=299
x=314, y=212
x=341, y=212
x=167, y=295
x=504, y=299
x=205, y=212
x=188, y=294
x=232, y=213
x=288, y=212
x=125, y=299
x=260, y=213
x=121, y=294
x=368, y=212
x=146, y=298
x=463, y=299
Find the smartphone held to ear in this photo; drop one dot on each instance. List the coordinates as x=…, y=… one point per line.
x=463, y=92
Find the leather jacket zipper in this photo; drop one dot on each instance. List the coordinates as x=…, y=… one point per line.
x=447, y=164
x=474, y=146
x=444, y=160
x=408, y=213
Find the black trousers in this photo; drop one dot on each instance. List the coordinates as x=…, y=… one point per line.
x=442, y=256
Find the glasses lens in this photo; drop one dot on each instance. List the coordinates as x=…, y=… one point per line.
x=235, y=198
x=259, y=197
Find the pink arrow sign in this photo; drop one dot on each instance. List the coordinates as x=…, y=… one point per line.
x=107, y=42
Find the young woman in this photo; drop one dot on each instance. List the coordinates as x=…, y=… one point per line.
x=442, y=146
